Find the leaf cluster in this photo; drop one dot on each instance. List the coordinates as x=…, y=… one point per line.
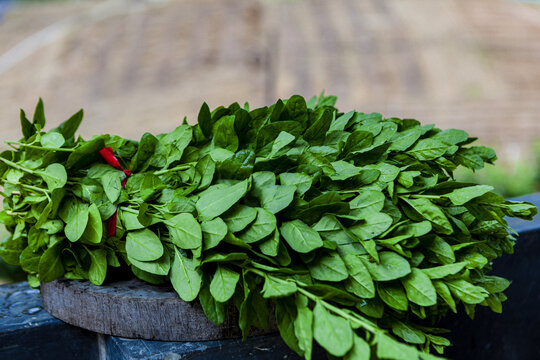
x=348, y=226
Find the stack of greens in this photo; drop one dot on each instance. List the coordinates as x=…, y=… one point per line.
x=350, y=224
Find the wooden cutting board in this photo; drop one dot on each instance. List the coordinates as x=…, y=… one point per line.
x=135, y=309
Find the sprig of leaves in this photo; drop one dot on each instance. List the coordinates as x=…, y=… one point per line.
x=350, y=224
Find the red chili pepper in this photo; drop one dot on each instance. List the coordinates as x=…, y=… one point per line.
x=108, y=155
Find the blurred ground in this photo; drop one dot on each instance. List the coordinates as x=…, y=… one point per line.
x=138, y=66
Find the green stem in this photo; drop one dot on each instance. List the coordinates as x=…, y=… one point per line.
x=136, y=212
x=348, y=191
x=418, y=196
x=337, y=310
x=16, y=166
x=15, y=213
x=30, y=187
x=176, y=168
x=38, y=147
x=327, y=305
x=129, y=210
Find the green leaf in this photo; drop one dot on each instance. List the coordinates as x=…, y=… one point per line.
x=318, y=129
x=213, y=232
x=148, y=277
x=223, y=283
x=275, y=287
x=112, y=184
x=264, y=225
x=302, y=182
x=359, y=282
x=390, y=267
x=462, y=196
x=86, y=154
x=368, y=201
x=206, y=167
x=373, y=225
x=227, y=257
x=270, y=245
x=216, y=200
x=52, y=139
x=29, y=259
x=171, y=146
x=147, y=147
x=432, y=213
x=429, y=149
x=280, y=144
x=50, y=264
x=205, y=120
x=303, y=328
x=360, y=350
x=494, y=284
x=27, y=128
x=160, y=266
x=467, y=292
x=393, y=295
x=76, y=220
x=143, y=245
x=405, y=139
x=333, y=333
x=70, y=126
x=185, y=278
x=408, y=333
x=444, y=292
x=224, y=134
x=285, y=316
x=184, y=231
x=300, y=237
x=388, y=348
x=55, y=176
x=341, y=122
x=343, y=170
x=419, y=288
x=328, y=267
x=110, y=178
x=94, y=228
x=39, y=115
x=239, y=217
x=439, y=251
x=131, y=221
x=439, y=272
x=98, y=267
x=151, y=185
x=452, y=136
x=214, y=310
x=275, y=198
x=475, y=157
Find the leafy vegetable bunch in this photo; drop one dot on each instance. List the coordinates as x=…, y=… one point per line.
x=347, y=225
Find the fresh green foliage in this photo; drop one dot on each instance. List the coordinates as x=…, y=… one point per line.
x=352, y=225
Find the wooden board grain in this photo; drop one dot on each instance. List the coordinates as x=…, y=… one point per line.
x=134, y=309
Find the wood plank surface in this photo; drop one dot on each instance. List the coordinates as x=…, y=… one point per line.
x=134, y=309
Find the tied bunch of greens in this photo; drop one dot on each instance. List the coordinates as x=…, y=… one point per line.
x=347, y=225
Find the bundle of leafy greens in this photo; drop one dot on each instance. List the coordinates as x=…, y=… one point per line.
x=347, y=225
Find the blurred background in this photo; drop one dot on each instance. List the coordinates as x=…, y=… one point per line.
x=142, y=65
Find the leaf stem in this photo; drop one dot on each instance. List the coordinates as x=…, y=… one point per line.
x=419, y=196
x=176, y=168
x=38, y=147
x=336, y=310
x=16, y=166
x=30, y=187
x=129, y=210
x=15, y=213
x=327, y=305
